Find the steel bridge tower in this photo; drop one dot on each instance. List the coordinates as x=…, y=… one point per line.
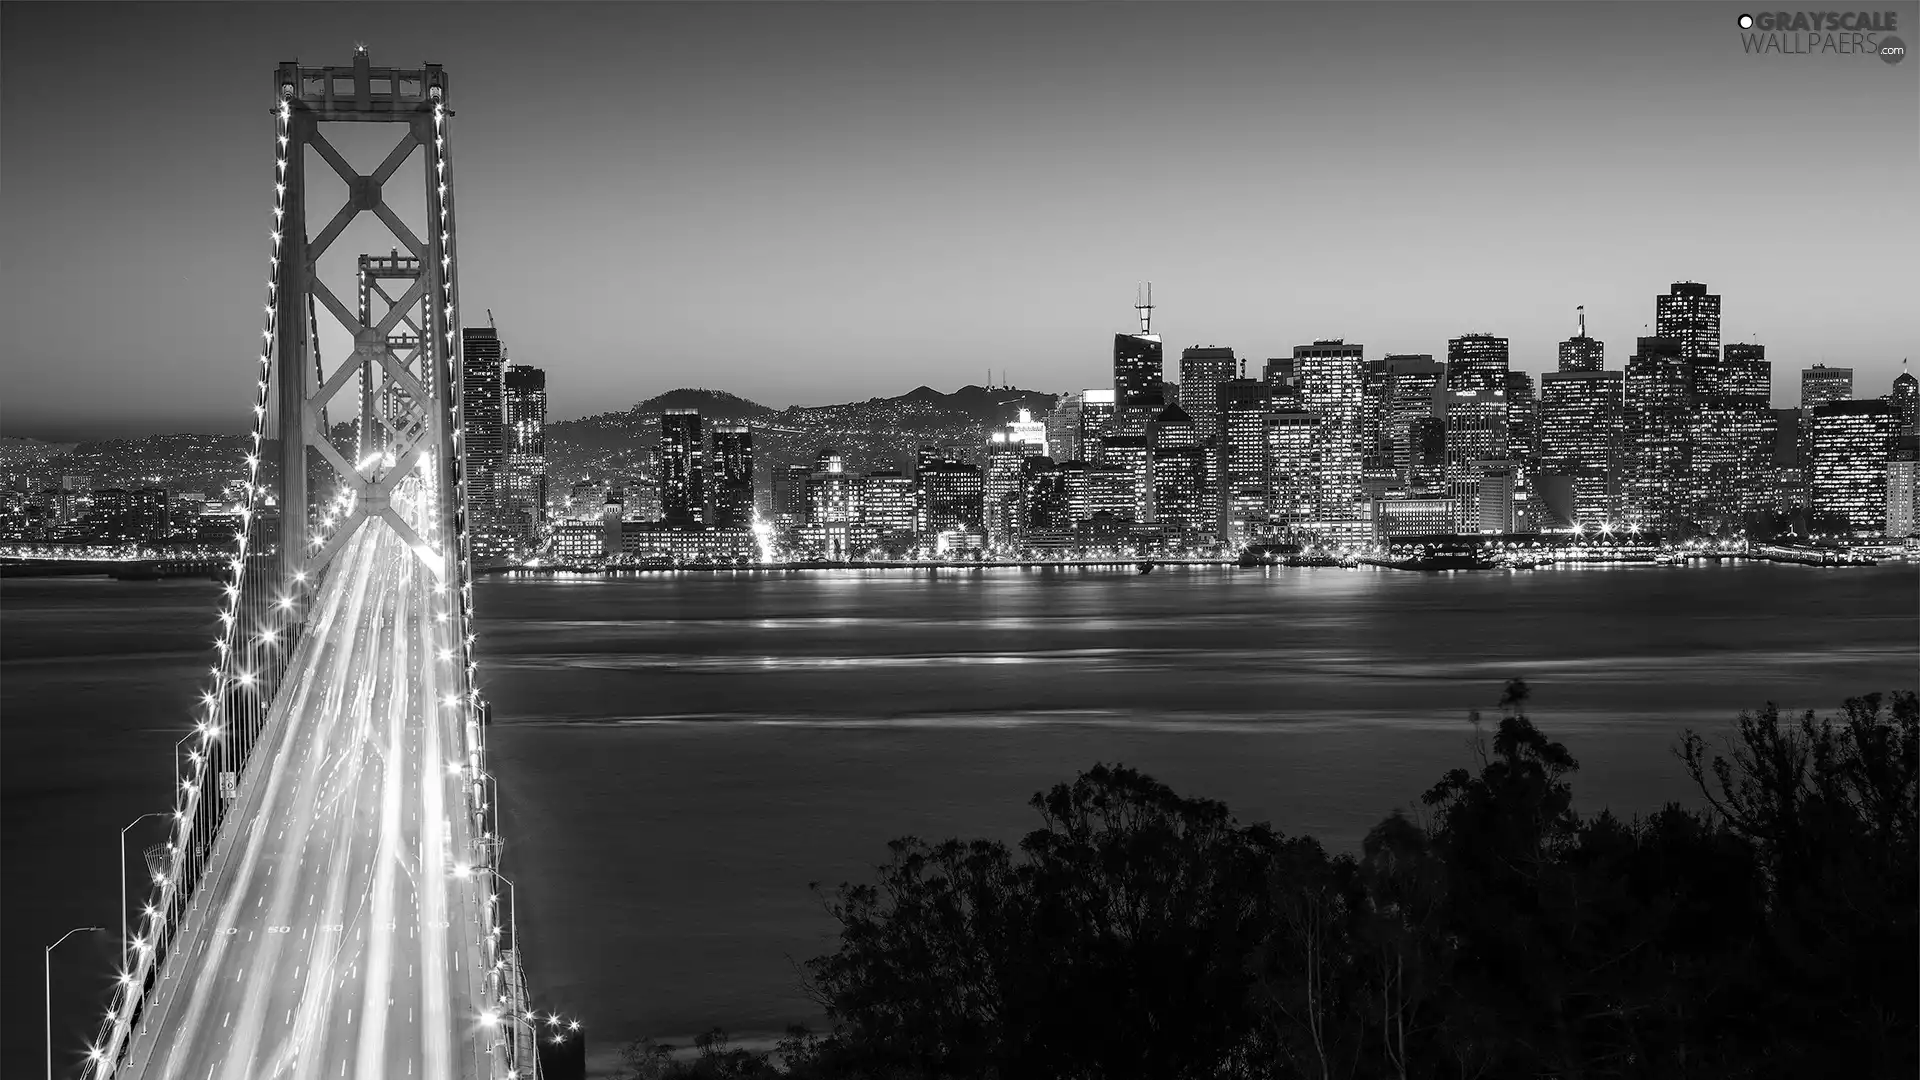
x=312, y=491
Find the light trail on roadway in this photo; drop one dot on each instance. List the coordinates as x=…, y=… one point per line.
x=331, y=936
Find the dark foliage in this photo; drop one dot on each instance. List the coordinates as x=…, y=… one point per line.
x=1139, y=934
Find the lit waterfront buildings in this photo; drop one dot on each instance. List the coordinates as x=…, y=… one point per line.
x=1905, y=398
x=523, y=503
x=1821, y=384
x=1852, y=444
x=1475, y=412
x=682, y=469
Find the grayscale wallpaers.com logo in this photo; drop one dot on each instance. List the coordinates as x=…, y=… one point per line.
x=1809, y=33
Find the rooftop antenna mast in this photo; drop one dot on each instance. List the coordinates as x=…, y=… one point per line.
x=490, y=321
x=1582, y=309
x=1143, y=303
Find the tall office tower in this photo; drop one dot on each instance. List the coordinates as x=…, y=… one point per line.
x=1580, y=352
x=1376, y=397
x=1002, y=479
x=833, y=493
x=1025, y=429
x=1689, y=316
x=1243, y=459
x=1043, y=501
x=1475, y=397
x=1110, y=491
x=1063, y=427
x=1523, y=431
x=1133, y=453
x=1293, y=473
x=793, y=503
x=1820, y=384
x=682, y=469
x=1730, y=455
x=1073, y=481
x=1906, y=400
x=1903, y=485
x=1138, y=368
x=523, y=511
x=732, y=476
x=948, y=495
x=482, y=427
x=1096, y=419
x=1657, y=418
x=1180, y=476
x=1413, y=382
x=1495, y=496
x=1427, y=472
x=1852, y=442
x=1330, y=375
x=1282, y=387
x=1580, y=425
x=887, y=503
x=1203, y=371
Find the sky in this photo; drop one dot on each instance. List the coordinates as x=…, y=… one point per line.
x=806, y=203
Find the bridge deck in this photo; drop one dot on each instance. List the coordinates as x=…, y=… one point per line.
x=329, y=937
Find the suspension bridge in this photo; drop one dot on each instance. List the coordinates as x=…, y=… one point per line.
x=329, y=900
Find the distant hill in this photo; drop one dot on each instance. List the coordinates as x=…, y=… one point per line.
x=874, y=434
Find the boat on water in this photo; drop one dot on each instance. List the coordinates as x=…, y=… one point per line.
x=1444, y=562
x=1144, y=567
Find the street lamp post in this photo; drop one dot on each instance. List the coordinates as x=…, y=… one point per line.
x=48, y=971
x=126, y=934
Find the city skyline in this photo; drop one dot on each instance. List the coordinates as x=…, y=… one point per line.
x=784, y=201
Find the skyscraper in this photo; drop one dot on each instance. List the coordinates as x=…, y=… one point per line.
x=1689, y=316
x=1852, y=443
x=1243, y=456
x=1096, y=418
x=1180, y=486
x=523, y=511
x=1330, y=375
x=1657, y=422
x=1413, y=383
x=1523, y=437
x=1820, y=384
x=1063, y=427
x=1580, y=352
x=732, y=476
x=1293, y=481
x=1580, y=428
x=1906, y=400
x=682, y=469
x=1203, y=371
x=1730, y=453
x=947, y=495
x=1903, y=485
x=1476, y=416
x=482, y=429
x=1138, y=367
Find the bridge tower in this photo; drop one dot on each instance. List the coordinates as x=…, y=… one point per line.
x=310, y=486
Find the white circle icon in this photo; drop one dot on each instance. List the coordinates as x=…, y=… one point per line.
x=1746, y=22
